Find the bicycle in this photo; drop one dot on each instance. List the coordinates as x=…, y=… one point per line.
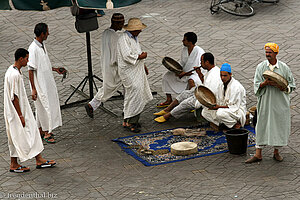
x=236, y=7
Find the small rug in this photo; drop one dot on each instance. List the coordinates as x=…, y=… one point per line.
x=159, y=144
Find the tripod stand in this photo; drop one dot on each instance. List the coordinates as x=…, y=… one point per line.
x=90, y=78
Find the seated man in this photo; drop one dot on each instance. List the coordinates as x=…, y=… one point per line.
x=231, y=102
x=187, y=100
x=173, y=84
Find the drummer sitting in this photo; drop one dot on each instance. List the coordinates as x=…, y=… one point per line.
x=231, y=102
x=174, y=84
x=186, y=101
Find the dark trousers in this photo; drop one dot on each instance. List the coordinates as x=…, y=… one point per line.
x=133, y=120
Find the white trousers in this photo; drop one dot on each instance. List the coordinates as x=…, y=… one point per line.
x=222, y=115
x=184, y=107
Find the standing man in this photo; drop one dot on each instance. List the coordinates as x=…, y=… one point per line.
x=43, y=86
x=24, y=140
x=111, y=78
x=273, y=106
x=132, y=70
x=231, y=102
x=173, y=84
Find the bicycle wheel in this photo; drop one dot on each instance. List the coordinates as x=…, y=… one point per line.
x=214, y=7
x=237, y=7
x=270, y=1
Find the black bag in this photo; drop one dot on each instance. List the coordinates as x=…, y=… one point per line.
x=86, y=22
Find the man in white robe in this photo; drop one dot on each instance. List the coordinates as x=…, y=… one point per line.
x=188, y=101
x=24, y=140
x=132, y=71
x=231, y=102
x=43, y=86
x=173, y=84
x=273, y=107
x=111, y=78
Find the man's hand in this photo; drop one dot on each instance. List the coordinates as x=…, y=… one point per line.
x=22, y=120
x=273, y=83
x=198, y=71
x=143, y=55
x=180, y=75
x=216, y=107
x=59, y=70
x=34, y=94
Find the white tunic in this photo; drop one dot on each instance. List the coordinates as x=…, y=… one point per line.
x=172, y=84
x=212, y=80
x=111, y=78
x=235, y=99
x=47, y=106
x=23, y=142
x=133, y=76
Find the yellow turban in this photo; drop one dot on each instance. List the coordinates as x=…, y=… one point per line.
x=272, y=46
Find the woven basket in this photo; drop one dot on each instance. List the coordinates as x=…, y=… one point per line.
x=205, y=96
x=172, y=65
x=184, y=148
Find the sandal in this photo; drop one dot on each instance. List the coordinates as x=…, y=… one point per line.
x=162, y=105
x=48, y=139
x=46, y=164
x=89, y=111
x=20, y=169
x=133, y=128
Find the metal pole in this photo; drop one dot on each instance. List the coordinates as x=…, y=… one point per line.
x=90, y=70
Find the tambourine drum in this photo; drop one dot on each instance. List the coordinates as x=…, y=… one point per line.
x=205, y=96
x=276, y=78
x=172, y=65
x=252, y=110
x=184, y=148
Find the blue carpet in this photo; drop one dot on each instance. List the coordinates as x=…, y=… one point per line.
x=211, y=144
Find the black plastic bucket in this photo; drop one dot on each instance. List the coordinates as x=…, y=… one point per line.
x=237, y=140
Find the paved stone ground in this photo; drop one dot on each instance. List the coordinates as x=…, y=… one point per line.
x=91, y=166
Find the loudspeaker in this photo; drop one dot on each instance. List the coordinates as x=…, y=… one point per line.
x=86, y=22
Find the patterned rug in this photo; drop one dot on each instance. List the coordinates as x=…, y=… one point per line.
x=154, y=148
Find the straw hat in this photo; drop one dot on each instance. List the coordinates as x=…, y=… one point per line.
x=134, y=24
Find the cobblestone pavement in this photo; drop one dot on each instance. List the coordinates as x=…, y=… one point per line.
x=91, y=166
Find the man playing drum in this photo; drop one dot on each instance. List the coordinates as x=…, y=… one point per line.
x=174, y=84
x=273, y=105
x=187, y=101
x=231, y=102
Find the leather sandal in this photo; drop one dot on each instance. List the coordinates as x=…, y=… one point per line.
x=89, y=111
x=134, y=128
x=277, y=157
x=162, y=105
x=253, y=160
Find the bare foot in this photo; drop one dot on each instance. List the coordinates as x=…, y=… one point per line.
x=237, y=125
